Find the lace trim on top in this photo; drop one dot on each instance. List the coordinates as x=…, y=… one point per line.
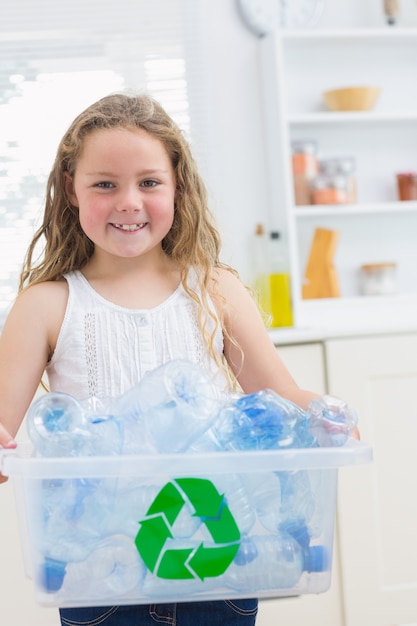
x=91, y=353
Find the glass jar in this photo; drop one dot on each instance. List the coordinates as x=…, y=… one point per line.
x=378, y=279
x=341, y=166
x=330, y=189
x=304, y=168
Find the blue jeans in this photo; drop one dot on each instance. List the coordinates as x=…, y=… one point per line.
x=241, y=612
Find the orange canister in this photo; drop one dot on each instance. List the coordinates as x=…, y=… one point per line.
x=407, y=185
x=305, y=168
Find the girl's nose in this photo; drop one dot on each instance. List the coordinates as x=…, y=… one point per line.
x=130, y=200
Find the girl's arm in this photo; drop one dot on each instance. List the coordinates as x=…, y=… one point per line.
x=257, y=364
x=26, y=343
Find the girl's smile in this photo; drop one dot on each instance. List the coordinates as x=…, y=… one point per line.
x=130, y=228
x=124, y=186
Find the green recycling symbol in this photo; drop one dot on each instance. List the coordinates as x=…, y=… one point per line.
x=187, y=563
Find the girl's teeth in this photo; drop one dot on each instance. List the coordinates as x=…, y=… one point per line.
x=129, y=227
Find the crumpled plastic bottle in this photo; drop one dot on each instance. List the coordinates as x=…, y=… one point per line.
x=331, y=420
x=275, y=561
x=177, y=402
x=59, y=425
x=264, y=420
x=163, y=413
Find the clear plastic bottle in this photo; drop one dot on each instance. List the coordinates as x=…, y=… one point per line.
x=260, y=272
x=260, y=421
x=264, y=496
x=178, y=402
x=277, y=561
x=238, y=499
x=76, y=514
x=264, y=420
x=59, y=425
x=331, y=420
x=114, y=567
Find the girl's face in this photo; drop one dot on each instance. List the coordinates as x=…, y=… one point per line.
x=124, y=186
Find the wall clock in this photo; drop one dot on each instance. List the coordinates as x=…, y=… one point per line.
x=264, y=16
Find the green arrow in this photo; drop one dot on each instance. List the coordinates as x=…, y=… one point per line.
x=223, y=529
x=168, y=501
x=214, y=561
x=173, y=566
x=151, y=539
x=178, y=564
x=203, y=495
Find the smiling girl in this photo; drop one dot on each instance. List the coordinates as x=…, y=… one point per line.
x=130, y=278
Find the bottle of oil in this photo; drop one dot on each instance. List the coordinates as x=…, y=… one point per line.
x=260, y=272
x=279, y=283
x=271, y=279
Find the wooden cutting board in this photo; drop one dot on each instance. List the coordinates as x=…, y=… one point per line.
x=320, y=278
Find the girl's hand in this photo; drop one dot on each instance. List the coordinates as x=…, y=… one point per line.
x=6, y=441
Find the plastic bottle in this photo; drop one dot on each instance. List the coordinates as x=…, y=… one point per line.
x=331, y=420
x=260, y=272
x=133, y=498
x=271, y=278
x=178, y=402
x=128, y=408
x=275, y=561
x=260, y=421
x=297, y=504
x=264, y=495
x=279, y=283
x=113, y=568
x=76, y=514
x=264, y=420
x=59, y=425
x=238, y=499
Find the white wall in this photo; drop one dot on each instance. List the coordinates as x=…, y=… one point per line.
x=233, y=152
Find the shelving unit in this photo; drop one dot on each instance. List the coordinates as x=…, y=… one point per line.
x=296, y=67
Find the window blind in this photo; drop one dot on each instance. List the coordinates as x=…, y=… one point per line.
x=58, y=57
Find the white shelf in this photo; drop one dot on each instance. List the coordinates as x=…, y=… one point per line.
x=355, y=209
x=351, y=117
x=297, y=66
x=343, y=34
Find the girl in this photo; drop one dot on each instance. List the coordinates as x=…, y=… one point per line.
x=130, y=278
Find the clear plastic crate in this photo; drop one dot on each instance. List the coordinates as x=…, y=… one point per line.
x=181, y=527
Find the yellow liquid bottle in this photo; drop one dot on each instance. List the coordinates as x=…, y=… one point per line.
x=280, y=300
x=260, y=281
x=280, y=304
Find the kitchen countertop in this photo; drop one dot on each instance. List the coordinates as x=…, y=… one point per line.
x=320, y=320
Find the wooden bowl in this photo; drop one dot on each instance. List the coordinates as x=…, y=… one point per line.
x=352, y=98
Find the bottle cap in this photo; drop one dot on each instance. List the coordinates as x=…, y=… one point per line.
x=53, y=575
x=316, y=559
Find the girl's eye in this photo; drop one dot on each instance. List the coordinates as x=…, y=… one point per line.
x=149, y=183
x=105, y=185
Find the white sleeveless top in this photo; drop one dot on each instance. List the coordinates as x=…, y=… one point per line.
x=104, y=349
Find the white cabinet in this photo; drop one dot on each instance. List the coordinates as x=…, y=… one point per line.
x=377, y=508
x=306, y=363
x=296, y=67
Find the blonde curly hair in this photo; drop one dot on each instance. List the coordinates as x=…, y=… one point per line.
x=193, y=240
